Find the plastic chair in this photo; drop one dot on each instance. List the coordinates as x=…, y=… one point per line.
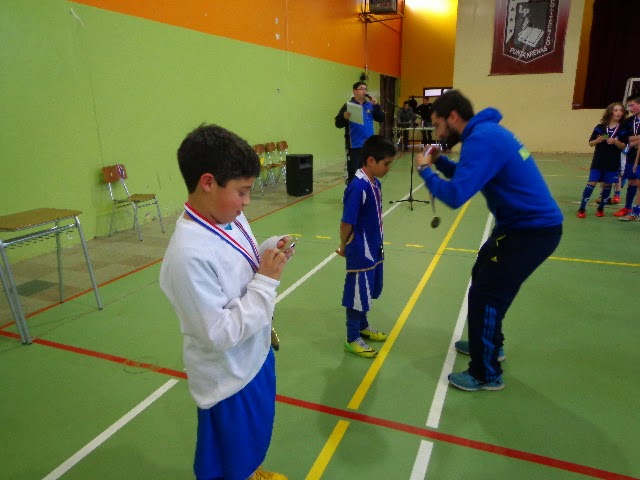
x=117, y=173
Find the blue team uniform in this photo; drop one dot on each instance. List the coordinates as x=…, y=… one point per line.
x=605, y=164
x=364, y=255
x=631, y=127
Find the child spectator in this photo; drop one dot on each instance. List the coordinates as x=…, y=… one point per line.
x=606, y=157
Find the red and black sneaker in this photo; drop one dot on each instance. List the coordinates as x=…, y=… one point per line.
x=582, y=213
x=599, y=213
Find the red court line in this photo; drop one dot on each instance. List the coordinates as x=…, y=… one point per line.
x=463, y=442
x=103, y=356
x=44, y=309
x=352, y=415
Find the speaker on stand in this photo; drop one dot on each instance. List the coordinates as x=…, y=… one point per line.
x=299, y=174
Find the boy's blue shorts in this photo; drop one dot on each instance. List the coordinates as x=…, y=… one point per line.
x=597, y=175
x=234, y=435
x=361, y=287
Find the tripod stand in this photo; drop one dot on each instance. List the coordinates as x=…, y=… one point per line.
x=410, y=198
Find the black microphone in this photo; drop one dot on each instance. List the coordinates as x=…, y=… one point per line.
x=368, y=96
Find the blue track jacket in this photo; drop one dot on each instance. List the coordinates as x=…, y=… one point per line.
x=493, y=161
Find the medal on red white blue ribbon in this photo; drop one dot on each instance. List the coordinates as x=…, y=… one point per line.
x=254, y=260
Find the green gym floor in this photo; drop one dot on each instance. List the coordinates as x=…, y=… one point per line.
x=102, y=394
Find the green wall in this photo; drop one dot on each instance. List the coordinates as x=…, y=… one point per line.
x=109, y=88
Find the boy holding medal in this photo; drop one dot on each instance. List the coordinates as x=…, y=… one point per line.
x=222, y=287
x=361, y=244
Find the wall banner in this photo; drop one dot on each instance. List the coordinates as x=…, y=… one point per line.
x=529, y=36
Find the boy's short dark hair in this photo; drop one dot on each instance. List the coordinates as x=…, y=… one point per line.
x=634, y=97
x=378, y=147
x=450, y=101
x=358, y=84
x=215, y=150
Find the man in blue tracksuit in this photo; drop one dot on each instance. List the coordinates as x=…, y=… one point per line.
x=528, y=223
x=355, y=133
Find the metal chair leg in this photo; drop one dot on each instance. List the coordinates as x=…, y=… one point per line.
x=113, y=214
x=86, y=257
x=14, y=299
x=59, y=255
x=159, y=215
x=136, y=224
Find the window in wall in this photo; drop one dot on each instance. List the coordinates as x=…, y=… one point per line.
x=434, y=91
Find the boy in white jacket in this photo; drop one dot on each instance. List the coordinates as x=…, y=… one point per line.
x=222, y=287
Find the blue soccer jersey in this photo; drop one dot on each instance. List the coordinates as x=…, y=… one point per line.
x=363, y=209
x=606, y=156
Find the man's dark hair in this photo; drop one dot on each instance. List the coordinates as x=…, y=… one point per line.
x=450, y=101
x=216, y=150
x=378, y=147
x=358, y=84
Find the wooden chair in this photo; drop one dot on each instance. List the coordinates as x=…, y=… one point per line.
x=282, y=147
x=272, y=164
x=263, y=177
x=118, y=173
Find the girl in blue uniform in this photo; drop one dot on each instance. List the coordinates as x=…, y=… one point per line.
x=606, y=138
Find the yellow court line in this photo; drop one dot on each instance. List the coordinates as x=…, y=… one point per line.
x=327, y=451
x=564, y=259
x=598, y=262
x=335, y=438
x=362, y=390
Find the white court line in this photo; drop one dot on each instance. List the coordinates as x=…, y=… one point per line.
x=419, y=471
x=435, y=412
x=104, y=436
x=96, y=442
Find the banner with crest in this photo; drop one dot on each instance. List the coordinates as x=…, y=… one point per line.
x=529, y=36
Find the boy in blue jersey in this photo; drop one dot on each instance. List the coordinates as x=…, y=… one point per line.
x=355, y=133
x=528, y=223
x=361, y=244
x=631, y=212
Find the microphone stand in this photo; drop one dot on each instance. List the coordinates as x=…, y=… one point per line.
x=410, y=198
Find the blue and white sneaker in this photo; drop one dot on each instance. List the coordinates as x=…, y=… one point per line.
x=463, y=347
x=465, y=381
x=630, y=217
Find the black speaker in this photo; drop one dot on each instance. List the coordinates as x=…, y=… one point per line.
x=299, y=174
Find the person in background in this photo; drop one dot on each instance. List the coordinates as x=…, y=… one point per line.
x=424, y=110
x=355, y=134
x=630, y=211
x=361, y=244
x=406, y=119
x=606, y=156
x=528, y=223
